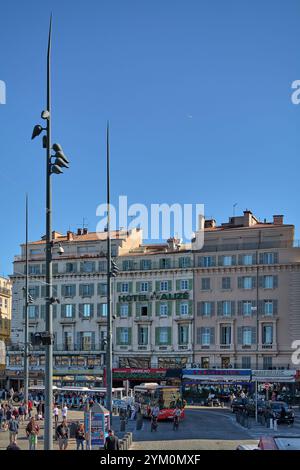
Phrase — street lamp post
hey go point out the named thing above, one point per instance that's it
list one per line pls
(109, 316)
(26, 368)
(60, 162)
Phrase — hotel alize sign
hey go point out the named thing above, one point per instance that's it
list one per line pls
(154, 296)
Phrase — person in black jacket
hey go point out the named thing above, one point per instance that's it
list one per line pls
(112, 441)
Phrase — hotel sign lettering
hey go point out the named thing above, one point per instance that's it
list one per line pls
(154, 296)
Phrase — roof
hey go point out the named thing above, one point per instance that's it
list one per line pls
(90, 236)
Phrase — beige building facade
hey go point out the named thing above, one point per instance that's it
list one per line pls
(247, 294)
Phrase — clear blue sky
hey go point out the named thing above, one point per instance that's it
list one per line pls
(197, 93)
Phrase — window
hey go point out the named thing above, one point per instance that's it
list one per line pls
(163, 310)
(206, 309)
(227, 261)
(226, 308)
(34, 269)
(247, 282)
(163, 335)
(124, 337)
(124, 287)
(267, 334)
(247, 336)
(183, 334)
(144, 286)
(246, 362)
(69, 291)
(102, 266)
(184, 308)
(205, 283)
(164, 263)
(267, 362)
(247, 308)
(268, 307)
(127, 265)
(86, 290)
(86, 341)
(226, 282)
(184, 284)
(164, 285)
(268, 258)
(88, 266)
(144, 310)
(68, 340)
(103, 310)
(71, 267)
(184, 262)
(86, 310)
(247, 260)
(268, 282)
(142, 335)
(86, 249)
(205, 362)
(69, 311)
(225, 335)
(124, 311)
(146, 264)
(32, 311)
(208, 261)
(205, 338)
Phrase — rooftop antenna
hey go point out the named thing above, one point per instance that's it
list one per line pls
(234, 206)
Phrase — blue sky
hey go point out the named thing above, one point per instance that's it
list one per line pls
(198, 94)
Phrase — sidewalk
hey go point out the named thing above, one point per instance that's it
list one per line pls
(73, 416)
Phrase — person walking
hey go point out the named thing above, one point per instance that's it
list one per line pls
(13, 427)
(62, 432)
(176, 418)
(79, 436)
(55, 413)
(30, 406)
(32, 432)
(112, 441)
(64, 411)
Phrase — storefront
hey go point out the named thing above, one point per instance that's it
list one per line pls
(278, 385)
(137, 376)
(197, 384)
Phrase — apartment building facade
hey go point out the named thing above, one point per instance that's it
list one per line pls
(247, 294)
(5, 323)
(152, 301)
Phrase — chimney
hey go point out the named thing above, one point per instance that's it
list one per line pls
(70, 236)
(278, 219)
(84, 231)
(247, 218)
(210, 223)
(201, 222)
(79, 231)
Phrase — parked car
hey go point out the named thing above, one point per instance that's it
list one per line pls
(238, 404)
(212, 402)
(279, 410)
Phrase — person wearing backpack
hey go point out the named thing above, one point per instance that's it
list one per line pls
(13, 427)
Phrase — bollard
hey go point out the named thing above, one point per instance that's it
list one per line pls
(271, 423)
(122, 424)
(275, 424)
(125, 444)
(121, 443)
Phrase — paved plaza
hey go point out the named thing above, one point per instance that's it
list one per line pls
(202, 429)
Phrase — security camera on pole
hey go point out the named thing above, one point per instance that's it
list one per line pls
(54, 165)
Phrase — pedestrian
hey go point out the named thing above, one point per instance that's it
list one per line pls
(21, 411)
(64, 411)
(112, 441)
(32, 432)
(55, 412)
(62, 432)
(39, 410)
(13, 427)
(30, 406)
(79, 436)
(13, 446)
(2, 417)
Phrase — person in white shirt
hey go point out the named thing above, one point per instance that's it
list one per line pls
(155, 411)
(55, 413)
(64, 411)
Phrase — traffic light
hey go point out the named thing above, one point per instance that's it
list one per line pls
(114, 269)
(42, 338)
(103, 343)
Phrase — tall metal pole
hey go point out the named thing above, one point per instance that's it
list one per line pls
(26, 345)
(48, 430)
(109, 317)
